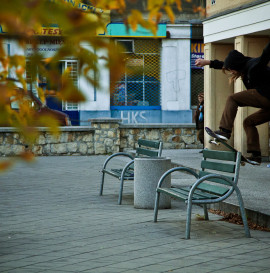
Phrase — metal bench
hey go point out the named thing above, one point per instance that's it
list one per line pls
(215, 182)
(148, 148)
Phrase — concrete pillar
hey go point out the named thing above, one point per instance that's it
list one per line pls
(216, 90)
(252, 47)
(147, 172)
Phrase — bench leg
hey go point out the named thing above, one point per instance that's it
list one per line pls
(243, 213)
(156, 206)
(102, 183)
(188, 221)
(206, 217)
(121, 191)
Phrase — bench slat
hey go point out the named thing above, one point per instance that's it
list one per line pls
(200, 193)
(220, 155)
(218, 180)
(223, 167)
(213, 189)
(144, 151)
(149, 143)
(117, 173)
(183, 194)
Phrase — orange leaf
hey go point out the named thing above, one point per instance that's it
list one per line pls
(4, 165)
(27, 156)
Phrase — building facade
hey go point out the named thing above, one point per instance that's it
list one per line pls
(160, 83)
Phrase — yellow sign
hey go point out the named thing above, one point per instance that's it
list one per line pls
(54, 29)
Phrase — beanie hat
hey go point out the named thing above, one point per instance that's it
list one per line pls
(235, 61)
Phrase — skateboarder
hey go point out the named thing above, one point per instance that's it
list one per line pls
(255, 75)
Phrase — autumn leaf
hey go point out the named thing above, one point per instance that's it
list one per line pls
(4, 165)
(27, 156)
(170, 13)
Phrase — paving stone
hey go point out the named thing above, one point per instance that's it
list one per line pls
(53, 220)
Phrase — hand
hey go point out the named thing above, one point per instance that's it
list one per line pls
(201, 62)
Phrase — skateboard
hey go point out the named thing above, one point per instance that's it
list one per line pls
(216, 141)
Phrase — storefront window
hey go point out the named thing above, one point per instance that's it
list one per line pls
(140, 84)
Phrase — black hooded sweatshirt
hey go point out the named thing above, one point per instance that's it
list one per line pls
(256, 73)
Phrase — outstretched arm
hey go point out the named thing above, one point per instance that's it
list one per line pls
(216, 64)
(201, 62)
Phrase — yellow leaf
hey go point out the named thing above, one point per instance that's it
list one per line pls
(179, 4)
(170, 13)
(151, 4)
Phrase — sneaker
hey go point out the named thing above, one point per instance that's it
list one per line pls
(257, 159)
(255, 156)
(223, 135)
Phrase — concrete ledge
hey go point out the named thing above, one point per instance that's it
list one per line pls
(157, 125)
(256, 217)
(105, 120)
(47, 129)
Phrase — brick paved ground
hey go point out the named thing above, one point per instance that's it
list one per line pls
(53, 220)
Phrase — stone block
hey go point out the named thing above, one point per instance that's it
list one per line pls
(98, 132)
(37, 150)
(166, 135)
(188, 139)
(114, 125)
(17, 149)
(41, 140)
(51, 138)
(63, 137)
(111, 134)
(9, 139)
(90, 151)
(87, 138)
(109, 142)
(72, 147)
(71, 136)
(60, 148)
(176, 138)
(83, 148)
(47, 149)
(105, 126)
(100, 148)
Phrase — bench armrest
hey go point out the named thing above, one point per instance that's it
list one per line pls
(127, 166)
(210, 176)
(183, 169)
(123, 154)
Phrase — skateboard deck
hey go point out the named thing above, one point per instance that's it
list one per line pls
(216, 141)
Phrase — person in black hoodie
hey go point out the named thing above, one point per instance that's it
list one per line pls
(255, 74)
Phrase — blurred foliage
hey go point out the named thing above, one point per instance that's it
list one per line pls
(78, 22)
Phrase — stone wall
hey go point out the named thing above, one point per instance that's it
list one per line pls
(105, 136)
(70, 141)
(174, 136)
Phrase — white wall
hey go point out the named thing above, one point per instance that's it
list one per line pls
(242, 22)
(175, 69)
(102, 93)
(11, 48)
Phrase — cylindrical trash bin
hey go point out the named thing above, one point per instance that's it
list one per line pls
(147, 172)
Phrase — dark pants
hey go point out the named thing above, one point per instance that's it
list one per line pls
(200, 135)
(252, 98)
